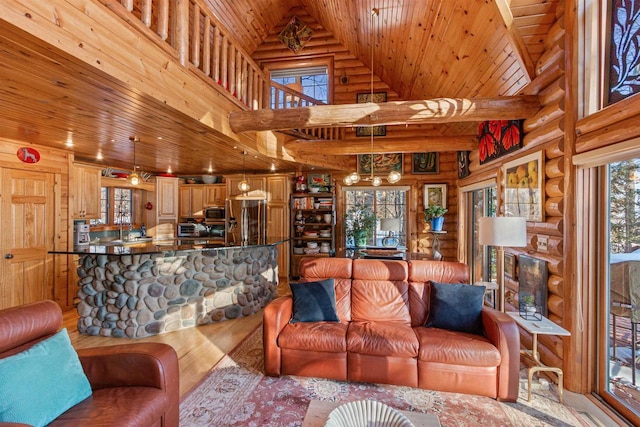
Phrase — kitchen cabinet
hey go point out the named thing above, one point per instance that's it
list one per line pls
(313, 227)
(166, 199)
(191, 201)
(85, 191)
(215, 194)
(278, 190)
(256, 183)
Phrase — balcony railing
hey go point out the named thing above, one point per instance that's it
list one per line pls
(190, 32)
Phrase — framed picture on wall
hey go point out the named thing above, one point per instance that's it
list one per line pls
(523, 187)
(435, 194)
(424, 163)
(378, 130)
(382, 163)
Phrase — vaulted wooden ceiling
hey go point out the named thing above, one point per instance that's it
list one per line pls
(422, 49)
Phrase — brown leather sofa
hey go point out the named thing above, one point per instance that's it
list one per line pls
(133, 384)
(382, 306)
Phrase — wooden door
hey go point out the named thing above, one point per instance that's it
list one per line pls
(184, 204)
(167, 194)
(27, 216)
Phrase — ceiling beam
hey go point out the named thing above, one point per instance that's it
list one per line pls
(347, 147)
(438, 110)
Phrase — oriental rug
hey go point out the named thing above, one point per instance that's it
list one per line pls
(237, 393)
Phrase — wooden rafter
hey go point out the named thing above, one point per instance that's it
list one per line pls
(439, 110)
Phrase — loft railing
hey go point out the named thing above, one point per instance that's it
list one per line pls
(190, 32)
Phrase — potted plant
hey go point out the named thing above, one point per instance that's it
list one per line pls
(360, 223)
(528, 303)
(435, 214)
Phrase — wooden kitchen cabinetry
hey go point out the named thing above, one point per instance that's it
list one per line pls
(215, 194)
(85, 191)
(278, 190)
(166, 199)
(191, 203)
(257, 185)
(313, 227)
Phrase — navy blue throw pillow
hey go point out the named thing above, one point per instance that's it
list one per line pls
(314, 301)
(456, 307)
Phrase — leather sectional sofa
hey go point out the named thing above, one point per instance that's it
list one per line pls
(133, 384)
(382, 306)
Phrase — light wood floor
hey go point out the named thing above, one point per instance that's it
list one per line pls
(199, 349)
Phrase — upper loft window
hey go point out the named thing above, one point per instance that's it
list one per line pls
(624, 50)
(310, 81)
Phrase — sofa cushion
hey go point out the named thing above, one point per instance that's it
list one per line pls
(42, 382)
(314, 302)
(382, 339)
(314, 336)
(456, 306)
(456, 348)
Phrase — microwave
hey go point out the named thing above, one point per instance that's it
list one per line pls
(192, 229)
(214, 213)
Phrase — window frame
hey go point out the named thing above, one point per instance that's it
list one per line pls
(136, 214)
(320, 61)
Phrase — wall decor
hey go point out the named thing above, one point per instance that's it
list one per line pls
(28, 155)
(320, 180)
(435, 194)
(510, 266)
(533, 276)
(498, 137)
(382, 163)
(377, 97)
(295, 34)
(463, 164)
(523, 186)
(425, 163)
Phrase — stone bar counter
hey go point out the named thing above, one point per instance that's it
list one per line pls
(147, 289)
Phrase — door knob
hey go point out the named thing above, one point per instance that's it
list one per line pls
(8, 256)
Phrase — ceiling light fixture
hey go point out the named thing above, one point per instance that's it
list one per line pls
(243, 185)
(134, 178)
(354, 177)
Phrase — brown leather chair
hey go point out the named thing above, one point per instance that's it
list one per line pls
(134, 384)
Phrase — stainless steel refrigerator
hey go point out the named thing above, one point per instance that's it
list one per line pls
(246, 221)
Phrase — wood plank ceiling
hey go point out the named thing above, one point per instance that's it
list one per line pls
(422, 48)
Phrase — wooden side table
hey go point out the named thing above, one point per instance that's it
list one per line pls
(535, 328)
(437, 255)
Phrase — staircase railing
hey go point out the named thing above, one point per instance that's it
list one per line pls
(191, 33)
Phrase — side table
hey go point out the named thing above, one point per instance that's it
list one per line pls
(437, 255)
(535, 328)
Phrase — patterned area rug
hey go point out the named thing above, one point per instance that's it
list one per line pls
(237, 393)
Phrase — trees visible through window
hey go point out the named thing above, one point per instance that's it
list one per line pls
(387, 203)
(116, 206)
(311, 81)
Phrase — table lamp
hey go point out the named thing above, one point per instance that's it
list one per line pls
(390, 225)
(501, 231)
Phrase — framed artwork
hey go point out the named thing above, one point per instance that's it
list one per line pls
(295, 34)
(510, 266)
(382, 163)
(435, 194)
(532, 280)
(425, 163)
(320, 180)
(523, 186)
(463, 164)
(498, 137)
(379, 130)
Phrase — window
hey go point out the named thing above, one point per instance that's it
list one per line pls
(116, 207)
(311, 81)
(624, 50)
(386, 202)
(479, 201)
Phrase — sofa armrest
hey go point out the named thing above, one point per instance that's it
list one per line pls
(503, 332)
(136, 364)
(276, 316)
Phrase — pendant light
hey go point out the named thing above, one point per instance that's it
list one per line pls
(243, 185)
(354, 177)
(134, 178)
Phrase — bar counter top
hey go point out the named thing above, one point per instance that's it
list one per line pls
(150, 246)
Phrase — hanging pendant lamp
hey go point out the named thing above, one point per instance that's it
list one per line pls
(134, 178)
(243, 185)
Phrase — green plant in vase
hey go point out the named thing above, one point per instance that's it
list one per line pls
(435, 214)
(360, 222)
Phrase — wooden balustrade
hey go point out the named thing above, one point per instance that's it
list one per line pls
(192, 33)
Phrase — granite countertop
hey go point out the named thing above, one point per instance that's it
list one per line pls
(146, 246)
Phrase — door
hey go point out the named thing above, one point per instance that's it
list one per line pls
(27, 217)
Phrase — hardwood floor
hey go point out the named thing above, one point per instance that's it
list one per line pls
(199, 349)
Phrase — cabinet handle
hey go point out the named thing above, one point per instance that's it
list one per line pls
(8, 256)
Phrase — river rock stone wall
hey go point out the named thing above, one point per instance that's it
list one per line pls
(148, 294)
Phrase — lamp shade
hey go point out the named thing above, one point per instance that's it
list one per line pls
(390, 224)
(503, 231)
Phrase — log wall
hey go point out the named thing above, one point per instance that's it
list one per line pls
(351, 77)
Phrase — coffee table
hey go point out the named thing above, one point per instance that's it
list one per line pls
(319, 410)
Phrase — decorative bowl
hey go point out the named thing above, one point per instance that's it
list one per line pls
(209, 179)
(312, 245)
(314, 189)
(368, 413)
